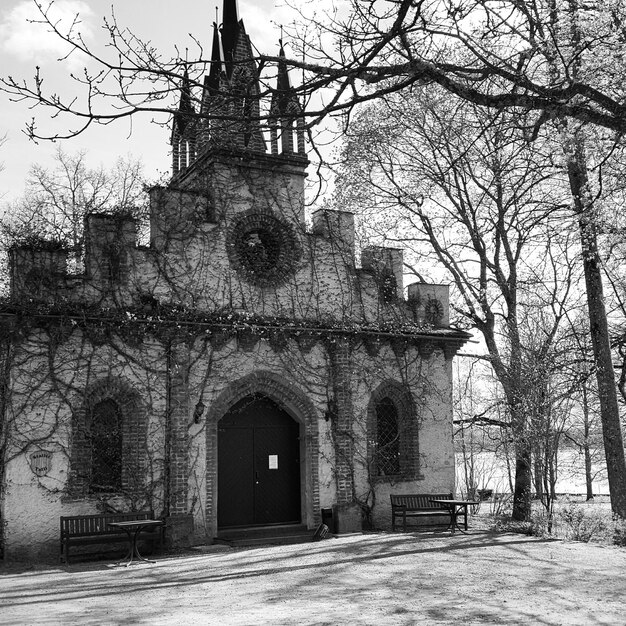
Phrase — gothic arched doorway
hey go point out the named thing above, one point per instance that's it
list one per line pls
(258, 465)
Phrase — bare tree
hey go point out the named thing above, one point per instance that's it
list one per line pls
(57, 200)
(584, 433)
(479, 434)
(584, 202)
(562, 37)
(494, 54)
(475, 200)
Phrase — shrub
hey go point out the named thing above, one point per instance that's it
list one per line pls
(536, 527)
(577, 521)
(501, 504)
(580, 523)
(619, 532)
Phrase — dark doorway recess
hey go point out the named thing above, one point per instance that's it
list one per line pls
(258, 466)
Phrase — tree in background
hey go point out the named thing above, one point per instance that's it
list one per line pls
(480, 434)
(572, 29)
(585, 433)
(57, 200)
(471, 198)
(555, 48)
(562, 407)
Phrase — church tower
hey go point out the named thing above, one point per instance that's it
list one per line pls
(238, 158)
(232, 114)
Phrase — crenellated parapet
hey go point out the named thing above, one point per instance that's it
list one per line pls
(430, 303)
(109, 240)
(249, 259)
(37, 271)
(40, 272)
(337, 227)
(386, 265)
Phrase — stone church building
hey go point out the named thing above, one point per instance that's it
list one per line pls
(242, 369)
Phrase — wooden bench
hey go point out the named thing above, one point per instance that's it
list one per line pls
(80, 530)
(419, 506)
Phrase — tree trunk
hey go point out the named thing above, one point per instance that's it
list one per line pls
(538, 461)
(588, 478)
(521, 495)
(607, 389)
(552, 474)
(586, 447)
(523, 467)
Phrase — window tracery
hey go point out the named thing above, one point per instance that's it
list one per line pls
(387, 438)
(106, 447)
(393, 433)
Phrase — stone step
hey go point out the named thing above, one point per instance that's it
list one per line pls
(265, 535)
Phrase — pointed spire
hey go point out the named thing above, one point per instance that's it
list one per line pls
(186, 110)
(287, 123)
(230, 12)
(230, 32)
(184, 127)
(283, 86)
(284, 97)
(283, 75)
(212, 81)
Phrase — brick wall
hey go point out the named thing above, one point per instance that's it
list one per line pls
(177, 439)
(340, 352)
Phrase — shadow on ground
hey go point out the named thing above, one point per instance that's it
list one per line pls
(381, 578)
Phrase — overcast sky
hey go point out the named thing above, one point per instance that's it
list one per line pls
(166, 23)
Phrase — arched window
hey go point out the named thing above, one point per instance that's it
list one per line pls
(387, 438)
(109, 441)
(106, 447)
(393, 433)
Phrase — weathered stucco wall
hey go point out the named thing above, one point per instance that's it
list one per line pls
(49, 383)
(186, 324)
(42, 408)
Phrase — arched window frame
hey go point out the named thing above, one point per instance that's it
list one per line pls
(408, 467)
(133, 421)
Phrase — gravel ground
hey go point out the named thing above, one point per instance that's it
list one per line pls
(413, 578)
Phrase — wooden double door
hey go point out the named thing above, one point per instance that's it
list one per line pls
(258, 465)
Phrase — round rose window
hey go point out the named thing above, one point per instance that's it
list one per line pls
(262, 248)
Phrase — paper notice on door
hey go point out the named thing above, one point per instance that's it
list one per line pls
(273, 461)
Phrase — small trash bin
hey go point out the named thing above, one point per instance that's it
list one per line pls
(328, 519)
